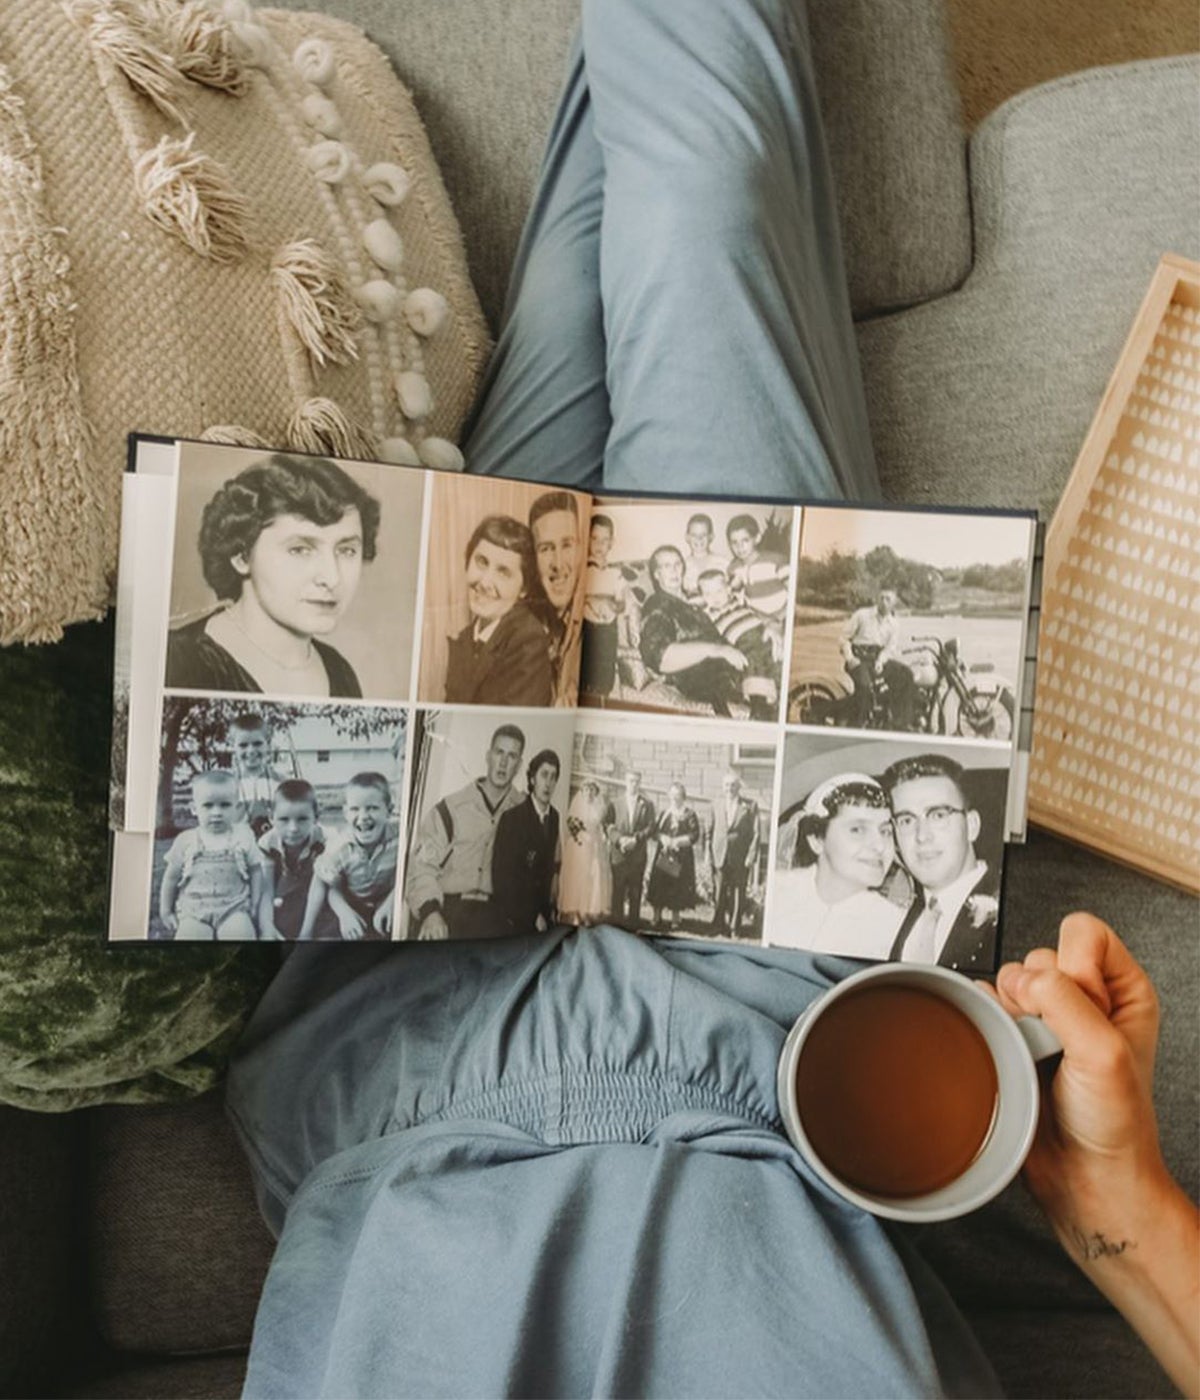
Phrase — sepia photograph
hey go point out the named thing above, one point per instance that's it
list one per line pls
(666, 835)
(889, 849)
(276, 821)
(686, 608)
(503, 607)
(909, 622)
(486, 816)
(293, 575)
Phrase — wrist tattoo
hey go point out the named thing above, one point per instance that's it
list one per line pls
(1097, 1245)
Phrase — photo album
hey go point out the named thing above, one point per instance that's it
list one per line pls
(362, 701)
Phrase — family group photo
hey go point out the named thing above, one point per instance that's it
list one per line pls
(686, 608)
(293, 576)
(276, 821)
(667, 837)
(503, 603)
(910, 623)
(889, 850)
(486, 819)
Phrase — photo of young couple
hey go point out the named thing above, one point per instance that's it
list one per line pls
(893, 852)
(503, 595)
(486, 820)
(686, 609)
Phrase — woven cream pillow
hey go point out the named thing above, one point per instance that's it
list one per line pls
(213, 222)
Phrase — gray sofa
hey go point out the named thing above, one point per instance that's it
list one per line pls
(994, 281)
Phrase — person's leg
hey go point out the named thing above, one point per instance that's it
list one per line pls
(704, 216)
(192, 930)
(542, 411)
(237, 927)
(731, 354)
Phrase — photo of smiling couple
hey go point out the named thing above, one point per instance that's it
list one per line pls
(503, 604)
(889, 851)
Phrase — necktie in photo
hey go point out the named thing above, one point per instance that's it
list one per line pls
(921, 944)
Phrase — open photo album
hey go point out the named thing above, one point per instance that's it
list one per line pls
(362, 701)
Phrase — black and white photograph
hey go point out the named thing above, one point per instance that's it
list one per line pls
(293, 575)
(910, 622)
(686, 608)
(665, 834)
(890, 850)
(503, 599)
(486, 815)
(276, 821)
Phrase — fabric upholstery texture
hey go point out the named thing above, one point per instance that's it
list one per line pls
(123, 306)
(80, 1023)
(186, 1377)
(887, 98)
(178, 1249)
(983, 397)
(39, 1161)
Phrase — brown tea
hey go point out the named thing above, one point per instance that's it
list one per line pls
(896, 1090)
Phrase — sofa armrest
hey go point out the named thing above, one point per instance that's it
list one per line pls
(1078, 186)
(41, 1281)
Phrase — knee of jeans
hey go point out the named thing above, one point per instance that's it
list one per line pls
(558, 290)
(707, 208)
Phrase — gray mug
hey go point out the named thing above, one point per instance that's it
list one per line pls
(1015, 1046)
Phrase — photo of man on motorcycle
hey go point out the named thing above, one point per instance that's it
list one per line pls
(884, 687)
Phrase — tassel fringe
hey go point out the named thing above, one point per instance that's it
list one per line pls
(319, 425)
(315, 301)
(187, 193)
(204, 46)
(128, 37)
(233, 435)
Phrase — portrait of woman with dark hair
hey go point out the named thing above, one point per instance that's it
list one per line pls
(502, 655)
(282, 545)
(831, 900)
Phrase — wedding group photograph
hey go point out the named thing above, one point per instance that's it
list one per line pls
(664, 836)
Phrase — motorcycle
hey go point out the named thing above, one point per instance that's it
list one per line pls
(950, 697)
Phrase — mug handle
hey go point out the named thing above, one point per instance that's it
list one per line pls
(1040, 1040)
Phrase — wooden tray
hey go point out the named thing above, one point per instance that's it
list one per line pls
(1116, 734)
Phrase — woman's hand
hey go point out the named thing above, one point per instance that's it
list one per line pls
(1095, 1167)
(1098, 1132)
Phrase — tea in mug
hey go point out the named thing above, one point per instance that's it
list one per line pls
(896, 1090)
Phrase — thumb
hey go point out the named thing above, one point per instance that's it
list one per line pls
(1088, 1040)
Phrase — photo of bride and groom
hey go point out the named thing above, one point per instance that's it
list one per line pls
(896, 855)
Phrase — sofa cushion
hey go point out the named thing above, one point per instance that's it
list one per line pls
(40, 1159)
(208, 225)
(80, 1023)
(984, 396)
(486, 83)
(185, 1377)
(178, 1249)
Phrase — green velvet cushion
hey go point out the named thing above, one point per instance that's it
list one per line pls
(80, 1024)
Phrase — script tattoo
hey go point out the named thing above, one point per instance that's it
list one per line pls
(1097, 1245)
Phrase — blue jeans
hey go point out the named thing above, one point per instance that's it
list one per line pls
(678, 319)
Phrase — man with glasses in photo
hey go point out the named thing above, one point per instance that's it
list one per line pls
(952, 919)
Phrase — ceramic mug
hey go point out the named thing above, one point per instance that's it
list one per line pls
(1015, 1046)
